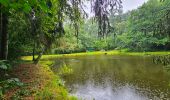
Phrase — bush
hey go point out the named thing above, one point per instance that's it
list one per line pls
(4, 67)
(9, 84)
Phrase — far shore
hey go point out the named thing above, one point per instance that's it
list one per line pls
(112, 52)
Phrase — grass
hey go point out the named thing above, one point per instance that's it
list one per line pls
(113, 52)
(54, 88)
(40, 83)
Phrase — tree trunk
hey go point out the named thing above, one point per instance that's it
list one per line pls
(44, 49)
(4, 36)
(0, 28)
(33, 52)
(40, 55)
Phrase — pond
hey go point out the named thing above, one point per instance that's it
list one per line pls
(107, 77)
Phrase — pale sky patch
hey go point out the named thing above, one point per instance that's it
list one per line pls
(132, 4)
(128, 5)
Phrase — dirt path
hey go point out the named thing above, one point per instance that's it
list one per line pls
(32, 76)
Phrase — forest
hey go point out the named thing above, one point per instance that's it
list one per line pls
(142, 29)
(35, 34)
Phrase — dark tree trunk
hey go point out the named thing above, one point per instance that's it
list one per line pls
(33, 30)
(4, 36)
(40, 55)
(33, 53)
(0, 28)
(44, 49)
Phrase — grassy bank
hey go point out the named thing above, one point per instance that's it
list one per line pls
(38, 83)
(54, 87)
(113, 52)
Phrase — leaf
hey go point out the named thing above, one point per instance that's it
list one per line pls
(1, 93)
(32, 2)
(15, 6)
(16, 79)
(43, 6)
(4, 2)
(3, 67)
(27, 8)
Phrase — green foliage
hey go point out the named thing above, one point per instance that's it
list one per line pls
(100, 44)
(23, 5)
(46, 95)
(9, 83)
(4, 2)
(164, 60)
(21, 93)
(34, 25)
(143, 29)
(54, 89)
(64, 70)
(4, 65)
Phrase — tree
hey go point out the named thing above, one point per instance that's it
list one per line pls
(6, 7)
(53, 13)
(4, 33)
(146, 28)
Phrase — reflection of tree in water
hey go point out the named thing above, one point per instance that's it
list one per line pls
(164, 60)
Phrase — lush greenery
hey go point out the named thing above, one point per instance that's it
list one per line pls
(143, 29)
(35, 27)
(147, 28)
(40, 82)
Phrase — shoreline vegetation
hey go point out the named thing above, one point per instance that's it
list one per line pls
(112, 52)
(40, 83)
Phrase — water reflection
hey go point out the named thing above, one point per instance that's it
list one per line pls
(90, 91)
(116, 78)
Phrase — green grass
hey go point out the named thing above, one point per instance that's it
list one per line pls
(113, 52)
(54, 88)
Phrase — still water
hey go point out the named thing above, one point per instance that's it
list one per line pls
(109, 77)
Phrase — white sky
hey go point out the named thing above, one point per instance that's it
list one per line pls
(132, 4)
(127, 5)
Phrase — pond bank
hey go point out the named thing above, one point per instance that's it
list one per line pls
(39, 83)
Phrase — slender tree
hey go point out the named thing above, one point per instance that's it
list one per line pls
(4, 33)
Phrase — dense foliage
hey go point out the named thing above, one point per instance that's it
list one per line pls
(31, 27)
(147, 28)
(144, 29)
(34, 27)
